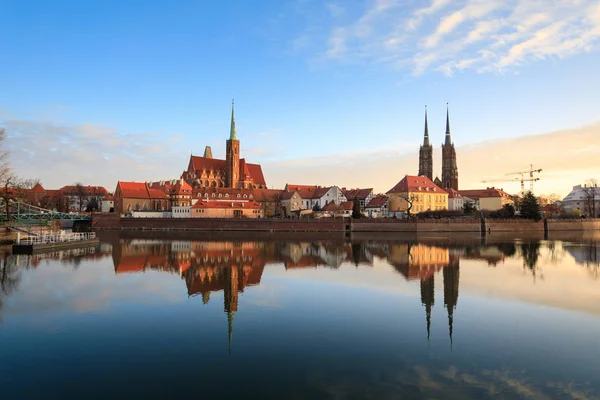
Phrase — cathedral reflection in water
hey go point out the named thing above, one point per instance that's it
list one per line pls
(210, 266)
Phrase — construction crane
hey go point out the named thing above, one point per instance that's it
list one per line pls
(531, 178)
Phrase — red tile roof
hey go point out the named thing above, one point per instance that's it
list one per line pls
(38, 188)
(484, 193)
(418, 184)
(377, 201)
(267, 194)
(308, 191)
(89, 190)
(133, 190)
(345, 205)
(454, 194)
(288, 195)
(362, 194)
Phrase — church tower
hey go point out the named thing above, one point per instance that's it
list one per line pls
(449, 167)
(232, 159)
(426, 154)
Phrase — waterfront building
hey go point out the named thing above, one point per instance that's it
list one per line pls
(232, 172)
(138, 196)
(490, 199)
(317, 196)
(364, 196)
(584, 199)
(377, 207)
(421, 192)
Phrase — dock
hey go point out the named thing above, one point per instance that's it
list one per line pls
(54, 241)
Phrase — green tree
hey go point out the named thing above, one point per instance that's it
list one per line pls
(530, 208)
(356, 208)
(469, 208)
(317, 207)
(507, 211)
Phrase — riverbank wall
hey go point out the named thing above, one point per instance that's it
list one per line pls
(487, 226)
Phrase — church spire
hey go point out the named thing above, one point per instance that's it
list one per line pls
(232, 135)
(230, 316)
(426, 137)
(448, 141)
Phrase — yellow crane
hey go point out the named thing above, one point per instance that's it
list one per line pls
(531, 179)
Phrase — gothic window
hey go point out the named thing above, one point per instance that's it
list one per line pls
(214, 184)
(137, 206)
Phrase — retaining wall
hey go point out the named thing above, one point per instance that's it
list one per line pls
(109, 221)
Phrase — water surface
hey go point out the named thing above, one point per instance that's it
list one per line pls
(230, 317)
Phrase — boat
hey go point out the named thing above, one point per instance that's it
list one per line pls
(53, 241)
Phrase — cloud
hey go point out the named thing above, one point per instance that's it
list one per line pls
(482, 35)
(94, 154)
(574, 154)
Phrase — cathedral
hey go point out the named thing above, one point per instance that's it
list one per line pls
(449, 168)
(233, 172)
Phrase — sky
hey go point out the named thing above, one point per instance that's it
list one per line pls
(326, 92)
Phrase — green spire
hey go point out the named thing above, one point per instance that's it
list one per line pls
(448, 139)
(426, 138)
(232, 135)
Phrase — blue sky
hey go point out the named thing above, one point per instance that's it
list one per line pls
(102, 91)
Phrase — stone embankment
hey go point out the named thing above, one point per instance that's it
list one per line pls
(106, 221)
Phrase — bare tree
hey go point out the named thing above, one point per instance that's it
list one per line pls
(80, 194)
(589, 199)
(4, 166)
(11, 191)
(410, 199)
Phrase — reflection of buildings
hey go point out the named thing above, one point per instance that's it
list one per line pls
(420, 261)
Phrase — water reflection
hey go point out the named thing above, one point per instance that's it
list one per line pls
(356, 317)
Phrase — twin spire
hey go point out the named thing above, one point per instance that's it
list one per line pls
(448, 139)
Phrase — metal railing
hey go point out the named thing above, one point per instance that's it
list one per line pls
(62, 237)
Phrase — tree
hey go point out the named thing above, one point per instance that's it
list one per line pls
(92, 205)
(80, 194)
(589, 198)
(530, 208)
(317, 207)
(410, 199)
(469, 208)
(356, 208)
(507, 210)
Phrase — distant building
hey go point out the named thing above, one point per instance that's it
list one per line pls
(490, 199)
(138, 196)
(364, 196)
(456, 201)
(313, 195)
(344, 209)
(377, 207)
(78, 197)
(226, 209)
(291, 203)
(233, 172)
(108, 204)
(585, 199)
(420, 191)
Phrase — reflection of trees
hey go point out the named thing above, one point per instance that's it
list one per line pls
(508, 249)
(530, 253)
(356, 252)
(10, 275)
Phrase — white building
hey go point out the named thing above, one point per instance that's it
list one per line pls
(107, 204)
(181, 211)
(585, 199)
(456, 201)
(317, 195)
(377, 207)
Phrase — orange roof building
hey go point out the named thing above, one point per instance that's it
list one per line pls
(418, 191)
(489, 198)
(232, 172)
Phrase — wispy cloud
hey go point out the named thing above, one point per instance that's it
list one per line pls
(483, 35)
(60, 154)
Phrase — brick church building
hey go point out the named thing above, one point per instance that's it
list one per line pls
(233, 172)
(449, 166)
